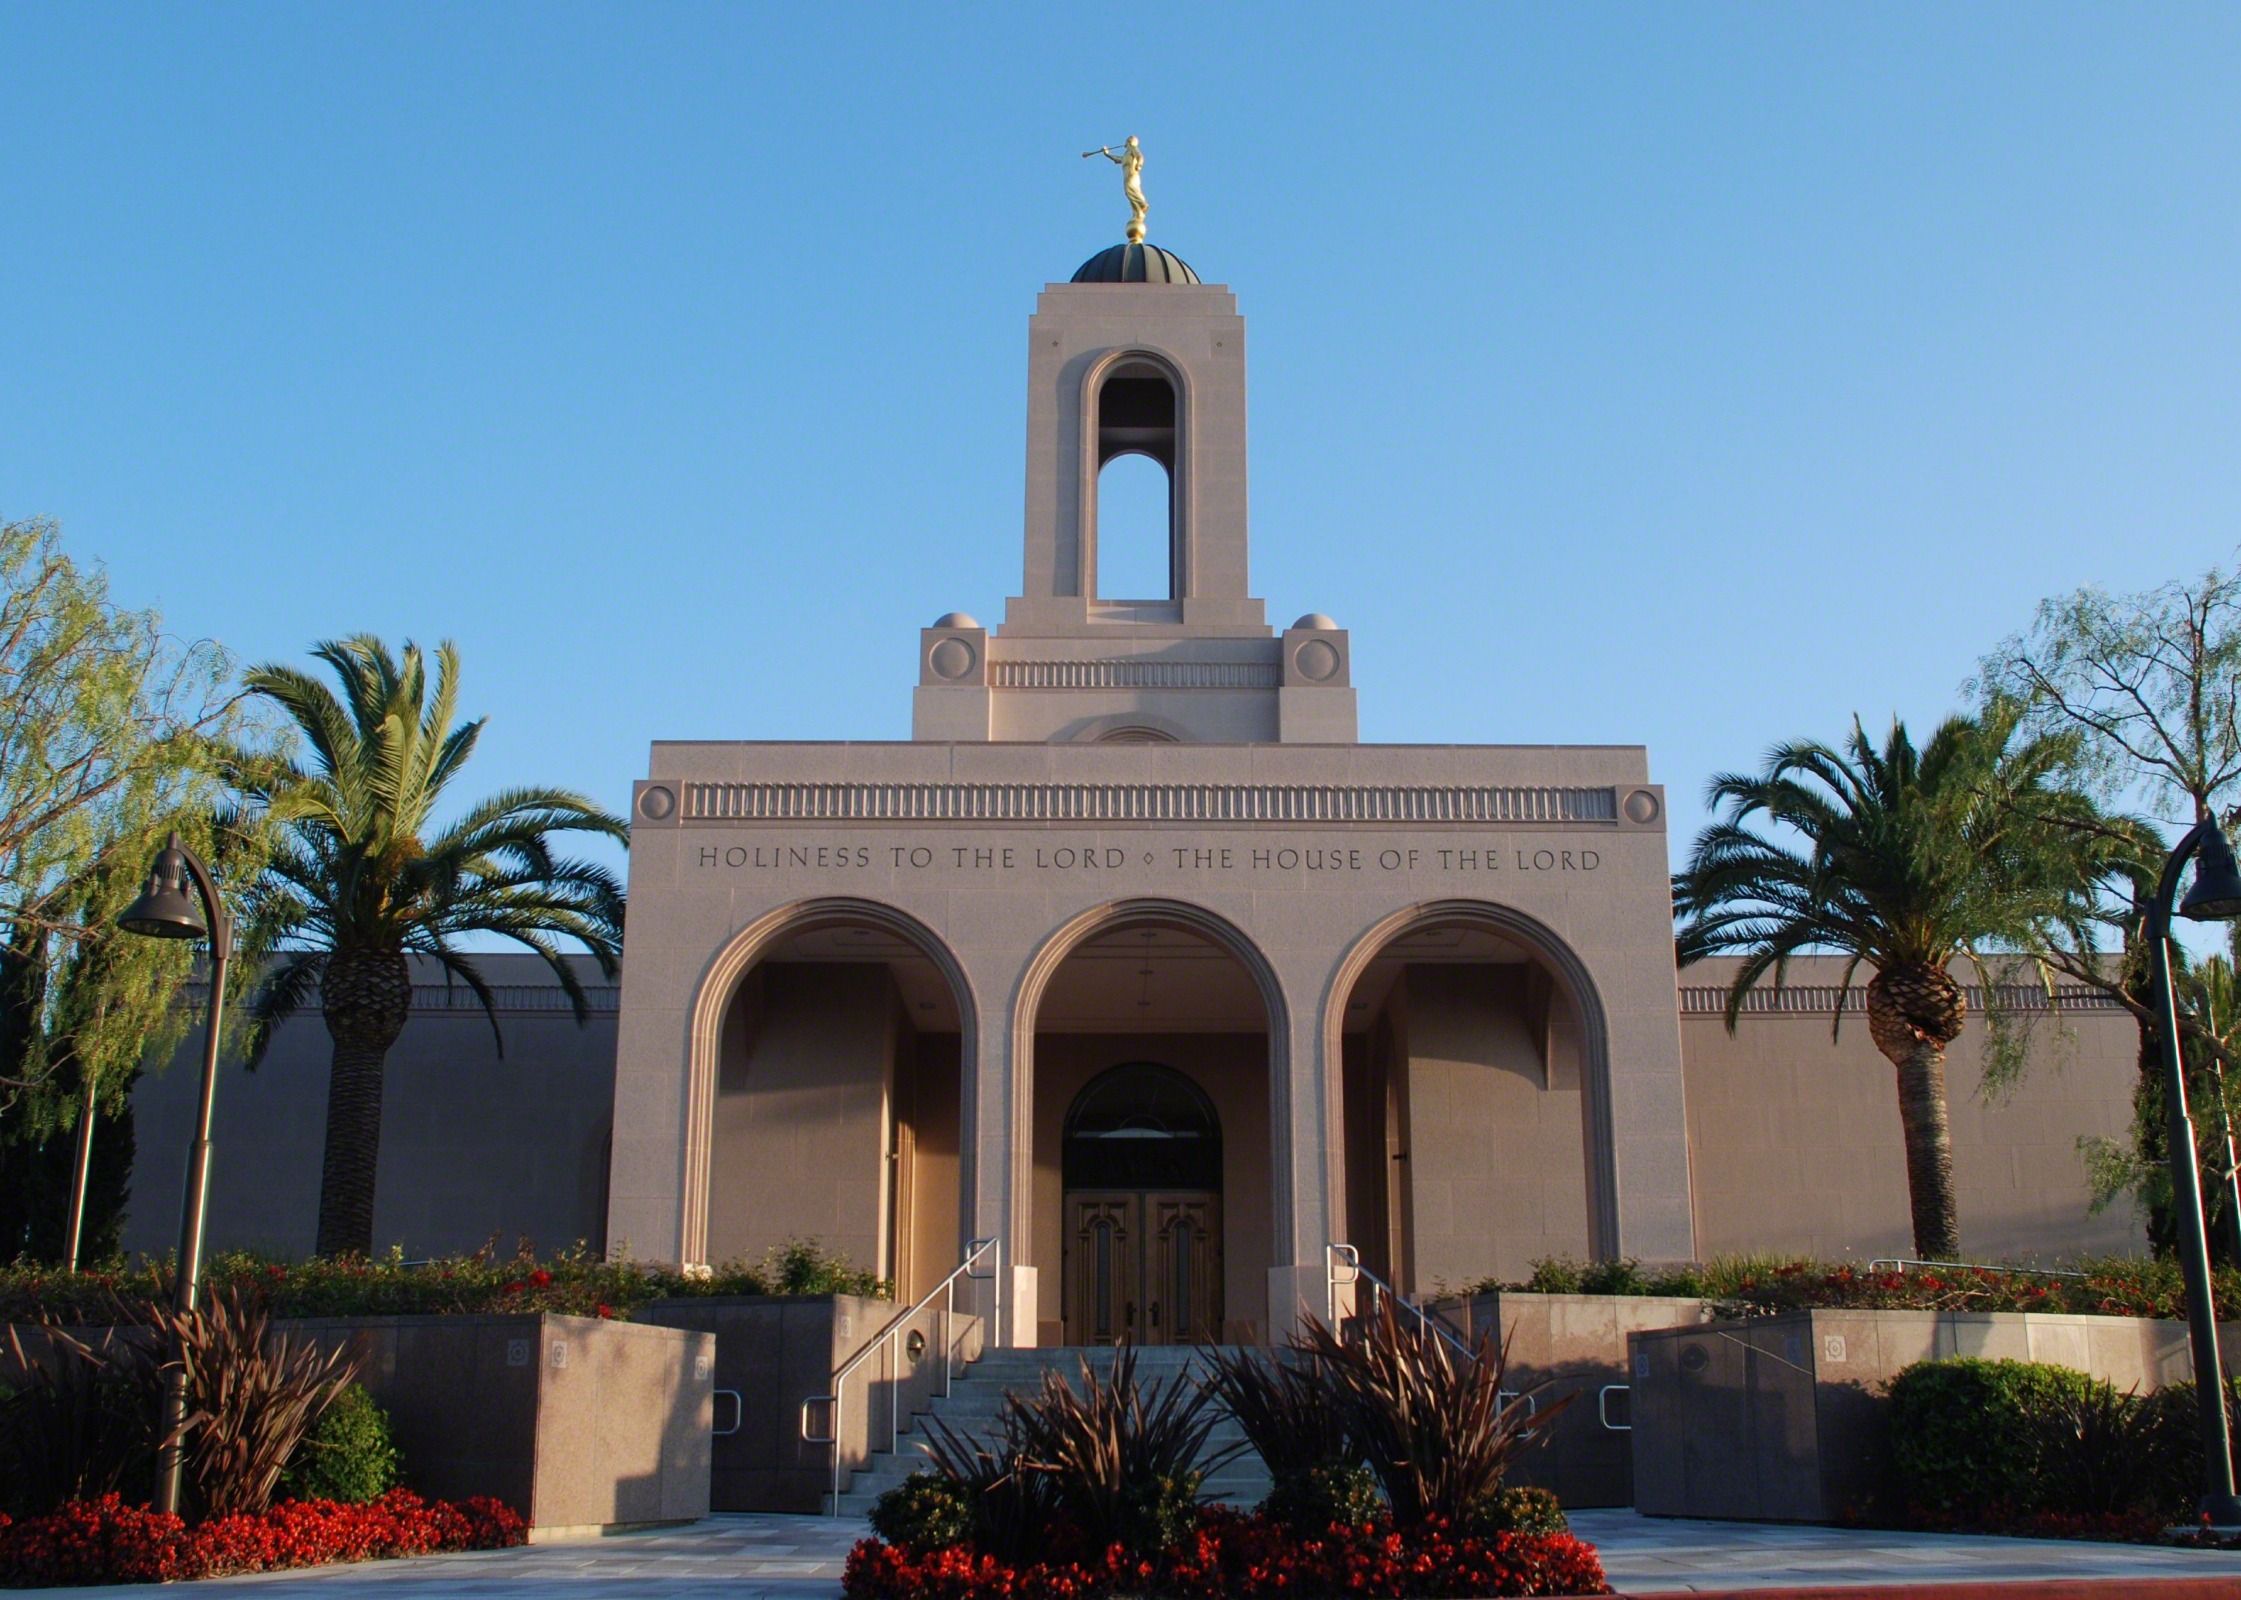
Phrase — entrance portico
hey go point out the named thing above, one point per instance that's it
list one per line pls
(998, 903)
(1426, 993)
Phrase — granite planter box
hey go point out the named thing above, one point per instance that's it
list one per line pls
(1575, 1344)
(1782, 1419)
(582, 1424)
(775, 1352)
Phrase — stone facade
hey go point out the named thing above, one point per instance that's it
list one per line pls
(1417, 999)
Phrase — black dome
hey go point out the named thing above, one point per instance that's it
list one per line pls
(1135, 263)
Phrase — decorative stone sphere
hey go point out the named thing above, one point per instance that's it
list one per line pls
(955, 619)
(1316, 619)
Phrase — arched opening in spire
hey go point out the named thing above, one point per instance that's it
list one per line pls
(1136, 430)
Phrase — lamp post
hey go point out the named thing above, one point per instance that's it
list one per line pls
(2215, 897)
(81, 1172)
(166, 911)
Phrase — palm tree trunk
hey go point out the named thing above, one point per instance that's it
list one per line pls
(1914, 1012)
(365, 996)
(1929, 1154)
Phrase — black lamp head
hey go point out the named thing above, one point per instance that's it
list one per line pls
(169, 909)
(2216, 894)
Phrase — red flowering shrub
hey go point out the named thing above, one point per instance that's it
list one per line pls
(94, 1541)
(1234, 1556)
(107, 1541)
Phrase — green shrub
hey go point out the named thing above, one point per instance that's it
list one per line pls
(348, 1455)
(925, 1512)
(1972, 1439)
(1311, 1499)
(573, 1283)
(2110, 1286)
(1158, 1513)
(1521, 1510)
(1563, 1275)
(1550, 1275)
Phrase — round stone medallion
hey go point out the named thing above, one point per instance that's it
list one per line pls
(657, 803)
(951, 659)
(1317, 660)
(1641, 807)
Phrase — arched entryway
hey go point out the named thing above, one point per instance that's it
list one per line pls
(829, 1093)
(1142, 1167)
(1475, 1076)
(1149, 1046)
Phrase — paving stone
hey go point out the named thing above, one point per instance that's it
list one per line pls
(770, 1557)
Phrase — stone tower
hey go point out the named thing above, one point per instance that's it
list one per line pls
(1135, 356)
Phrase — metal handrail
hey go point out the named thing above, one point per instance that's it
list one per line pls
(1903, 1262)
(1336, 1256)
(1348, 1258)
(885, 1340)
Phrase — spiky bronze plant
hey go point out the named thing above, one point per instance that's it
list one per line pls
(1437, 1426)
(1009, 1503)
(1125, 1460)
(77, 1420)
(252, 1395)
(1281, 1403)
(1114, 1462)
(1282, 1409)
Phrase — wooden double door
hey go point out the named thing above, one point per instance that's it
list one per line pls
(1143, 1265)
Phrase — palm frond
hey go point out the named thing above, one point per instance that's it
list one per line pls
(285, 989)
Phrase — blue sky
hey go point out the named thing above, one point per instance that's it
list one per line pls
(1691, 376)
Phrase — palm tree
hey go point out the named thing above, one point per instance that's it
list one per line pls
(1906, 861)
(361, 877)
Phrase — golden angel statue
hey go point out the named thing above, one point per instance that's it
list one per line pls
(1131, 162)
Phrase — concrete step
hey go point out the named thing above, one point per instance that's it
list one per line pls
(976, 1401)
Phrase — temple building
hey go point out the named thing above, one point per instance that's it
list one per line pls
(1136, 959)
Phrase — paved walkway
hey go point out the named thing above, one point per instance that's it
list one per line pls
(1660, 1555)
(799, 1558)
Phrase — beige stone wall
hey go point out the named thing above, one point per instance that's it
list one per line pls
(1233, 1071)
(933, 1243)
(474, 1144)
(1795, 1142)
(1497, 1163)
(802, 1112)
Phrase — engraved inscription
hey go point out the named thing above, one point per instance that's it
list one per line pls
(1093, 856)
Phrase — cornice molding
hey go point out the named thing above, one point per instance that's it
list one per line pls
(1150, 803)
